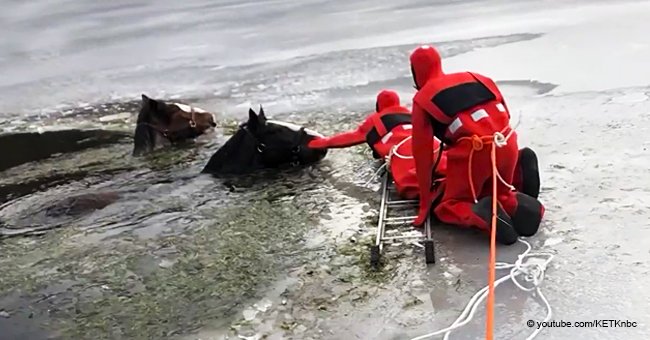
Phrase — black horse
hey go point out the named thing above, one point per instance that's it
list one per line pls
(264, 144)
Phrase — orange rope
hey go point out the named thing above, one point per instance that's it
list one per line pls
(477, 145)
(493, 256)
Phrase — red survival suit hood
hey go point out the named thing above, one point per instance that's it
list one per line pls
(386, 99)
(425, 64)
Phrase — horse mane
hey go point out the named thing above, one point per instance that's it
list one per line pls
(144, 138)
(236, 156)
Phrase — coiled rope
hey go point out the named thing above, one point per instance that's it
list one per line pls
(533, 276)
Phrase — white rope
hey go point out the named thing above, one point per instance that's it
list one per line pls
(394, 149)
(501, 141)
(532, 273)
(375, 174)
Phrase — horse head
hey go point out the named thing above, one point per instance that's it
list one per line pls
(260, 143)
(161, 124)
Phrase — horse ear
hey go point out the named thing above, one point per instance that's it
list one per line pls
(253, 119)
(148, 102)
(262, 117)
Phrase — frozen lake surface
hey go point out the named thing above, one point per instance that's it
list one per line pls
(575, 73)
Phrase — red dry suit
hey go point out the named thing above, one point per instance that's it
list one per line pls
(465, 110)
(387, 129)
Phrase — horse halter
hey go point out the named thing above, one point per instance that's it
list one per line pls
(167, 133)
(192, 121)
(296, 147)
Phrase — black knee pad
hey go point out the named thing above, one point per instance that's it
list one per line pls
(528, 216)
(506, 233)
(529, 172)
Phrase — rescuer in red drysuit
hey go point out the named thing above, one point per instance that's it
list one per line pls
(465, 110)
(388, 127)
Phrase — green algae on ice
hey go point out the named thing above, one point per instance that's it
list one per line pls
(158, 288)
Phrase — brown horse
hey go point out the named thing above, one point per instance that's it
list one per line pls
(161, 124)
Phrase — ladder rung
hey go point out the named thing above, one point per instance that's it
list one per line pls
(402, 203)
(400, 222)
(401, 218)
(401, 237)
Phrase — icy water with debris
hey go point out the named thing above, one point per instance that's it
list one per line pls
(174, 254)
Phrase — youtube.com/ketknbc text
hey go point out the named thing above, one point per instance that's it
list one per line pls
(598, 323)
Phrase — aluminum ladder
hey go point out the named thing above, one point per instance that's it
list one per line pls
(392, 228)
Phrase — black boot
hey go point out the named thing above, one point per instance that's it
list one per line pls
(529, 172)
(528, 215)
(506, 233)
